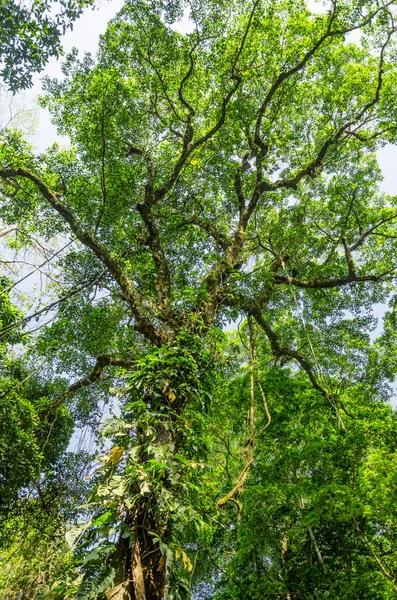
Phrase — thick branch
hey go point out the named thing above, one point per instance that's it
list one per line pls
(306, 58)
(349, 259)
(163, 283)
(101, 362)
(328, 283)
(181, 97)
(279, 351)
(238, 185)
(128, 288)
(233, 252)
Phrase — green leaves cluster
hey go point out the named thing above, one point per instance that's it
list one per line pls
(31, 34)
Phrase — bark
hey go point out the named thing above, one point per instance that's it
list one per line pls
(147, 563)
(120, 560)
(140, 566)
(137, 571)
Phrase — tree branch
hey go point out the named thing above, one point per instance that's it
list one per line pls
(279, 351)
(130, 293)
(303, 62)
(188, 146)
(103, 176)
(50, 306)
(220, 238)
(376, 557)
(163, 280)
(8, 230)
(316, 164)
(370, 230)
(329, 283)
(102, 362)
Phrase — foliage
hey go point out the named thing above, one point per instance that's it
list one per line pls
(97, 579)
(31, 34)
(311, 524)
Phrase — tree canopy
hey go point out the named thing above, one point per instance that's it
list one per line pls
(221, 179)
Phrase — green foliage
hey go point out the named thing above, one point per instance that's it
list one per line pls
(37, 563)
(311, 525)
(31, 34)
(97, 579)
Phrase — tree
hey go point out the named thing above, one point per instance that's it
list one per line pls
(30, 34)
(227, 172)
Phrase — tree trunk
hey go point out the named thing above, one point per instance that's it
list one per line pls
(140, 567)
(148, 564)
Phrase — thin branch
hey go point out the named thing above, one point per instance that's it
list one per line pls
(313, 537)
(23, 381)
(264, 401)
(10, 287)
(282, 77)
(103, 175)
(153, 102)
(376, 557)
(316, 164)
(230, 497)
(8, 230)
(163, 86)
(188, 146)
(370, 230)
(51, 305)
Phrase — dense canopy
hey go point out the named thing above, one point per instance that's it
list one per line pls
(222, 240)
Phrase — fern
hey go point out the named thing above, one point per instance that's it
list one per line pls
(97, 579)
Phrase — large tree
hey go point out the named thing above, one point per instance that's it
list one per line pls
(229, 172)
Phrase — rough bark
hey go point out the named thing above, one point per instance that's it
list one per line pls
(140, 566)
